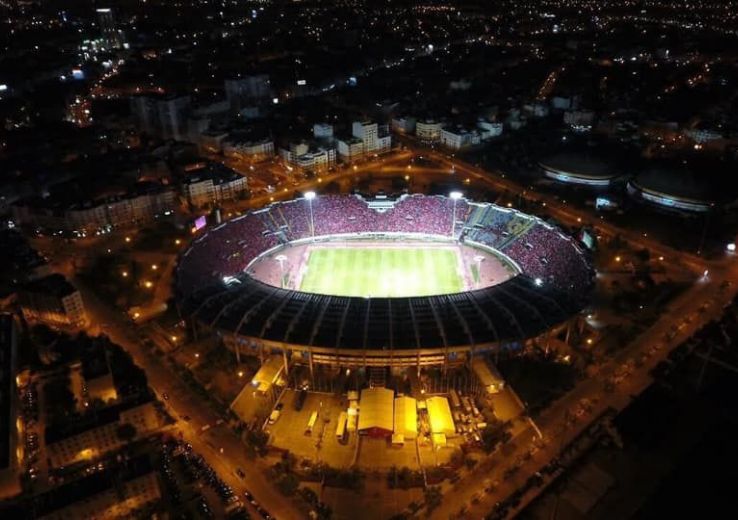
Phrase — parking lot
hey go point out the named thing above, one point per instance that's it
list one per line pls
(289, 431)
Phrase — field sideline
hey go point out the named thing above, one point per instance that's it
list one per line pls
(382, 271)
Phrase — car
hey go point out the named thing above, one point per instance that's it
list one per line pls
(300, 399)
(274, 416)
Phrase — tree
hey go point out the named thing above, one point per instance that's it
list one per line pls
(432, 497)
(288, 484)
(126, 432)
(493, 434)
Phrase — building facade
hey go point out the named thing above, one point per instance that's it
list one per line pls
(54, 301)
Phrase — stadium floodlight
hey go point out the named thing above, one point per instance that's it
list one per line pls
(455, 195)
(479, 259)
(309, 196)
(281, 259)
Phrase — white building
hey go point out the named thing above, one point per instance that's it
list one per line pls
(428, 130)
(368, 132)
(489, 129)
(703, 135)
(52, 300)
(323, 131)
(211, 184)
(403, 124)
(458, 137)
(252, 150)
(350, 149)
(579, 118)
(312, 158)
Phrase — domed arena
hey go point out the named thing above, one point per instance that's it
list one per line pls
(417, 280)
(579, 168)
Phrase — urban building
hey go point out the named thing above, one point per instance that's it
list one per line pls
(375, 138)
(368, 132)
(403, 124)
(96, 373)
(8, 404)
(52, 300)
(212, 183)
(111, 37)
(458, 137)
(428, 130)
(309, 156)
(255, 150)
(163, 116)
(142, 203)
(241, 92)
(323, 131)
(97, 433)
(489, 129)
(350, 149)
(114, 492)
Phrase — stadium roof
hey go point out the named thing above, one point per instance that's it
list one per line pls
(214, 289)
(684, 184)
(580, 164)
(513, 310)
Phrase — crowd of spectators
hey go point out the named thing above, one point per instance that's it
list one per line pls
(546, 255)
(541, 251)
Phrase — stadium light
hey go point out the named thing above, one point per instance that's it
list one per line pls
(455, 195)
(309, 196)
(479, 259)
(281, 259)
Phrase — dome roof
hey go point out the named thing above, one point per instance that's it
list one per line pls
(582, 164)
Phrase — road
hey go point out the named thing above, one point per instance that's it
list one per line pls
(555, 423)
(185, 402)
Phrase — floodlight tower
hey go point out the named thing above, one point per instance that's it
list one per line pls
(281, 259)
(455, 195)
(479, 259)
(309, 196)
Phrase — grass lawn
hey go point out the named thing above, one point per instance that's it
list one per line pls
(382, 272)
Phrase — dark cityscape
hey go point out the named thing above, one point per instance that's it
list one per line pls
(368, 260)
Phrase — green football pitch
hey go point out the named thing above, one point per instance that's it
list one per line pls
(382, 272)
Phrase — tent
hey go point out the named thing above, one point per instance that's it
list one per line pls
(376, 412)
(439, 415)
(406, 417)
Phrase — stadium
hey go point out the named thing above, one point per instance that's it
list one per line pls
(346, 281)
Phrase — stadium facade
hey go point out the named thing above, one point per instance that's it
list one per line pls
(581, 169)
(216, 290)
(678, 189)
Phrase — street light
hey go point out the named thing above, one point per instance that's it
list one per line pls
(309, 196)
(455, 195)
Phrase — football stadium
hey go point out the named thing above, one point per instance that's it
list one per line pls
(348, 281)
